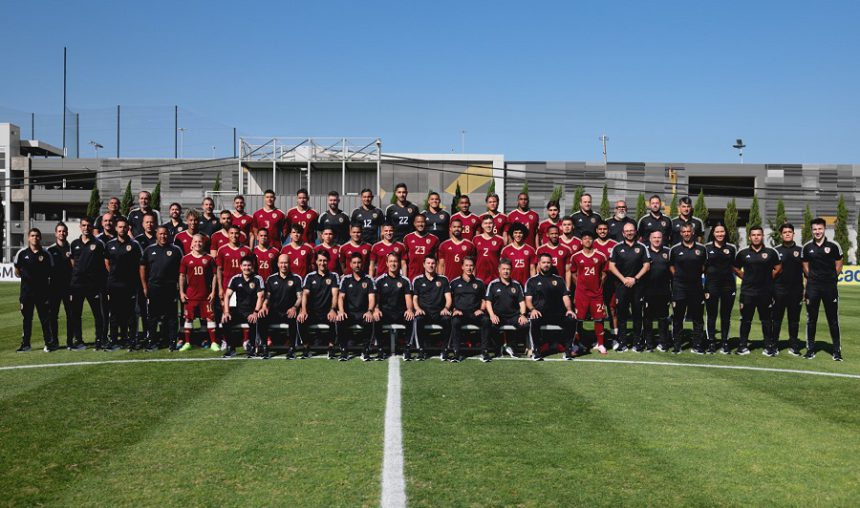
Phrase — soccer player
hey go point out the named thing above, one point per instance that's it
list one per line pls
(123, 285)
(658, 293)
(566, 237)
(654, 220)
(452, 251)
(144, 239)
(369, 217)
(61, 277)
(500, 220)
(229, 260)
(135, 215)
(585, 219)
(757, 265)
(174, 224)
(685, 216)
(618, 220)
(34, 266)
(327, 244)
(88, 284)
(822, 264)
(687, 260)
(432, 303)
(526, 218)
(588, 267)
(197, 284)
(319, 303)
(304, 216)
(548, 303)
(209, 221)
(505, 304)
(184, 239)
(720, 286)
(393, 298)
(559, 253)
(520, 254)
(488, 250)
(249, 290)
(300, 253)
(419, 244)
(355, 246)
(283, 303)
(335, 219)
(467, 295)
(603, 244)
(265, 255)
(108, 228)
(381, 249)
(402, 213)
(222, 236)
(629, 262)
(553, 219)
(240, 219)
(788, 289)
(356, 308)
(271, 219)
(438, 219)
(159, 273)
(468, 220)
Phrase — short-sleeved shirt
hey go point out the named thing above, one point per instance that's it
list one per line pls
(505, 298)
(242, 221)
(338, 222)
(629, 259)
(417, 248)
(547, 292)
(471, 224)
(62, 258)
(105, 238)
(319, 288)
(616, 227)
(89, 268)
(438, 223)
(649, 223)
(453, 254)
(162, 265)
(36, 269)
(604, 248)
(585, 221)
(522, 259)
(274, 222)
(333, 257)
(246, 291)
(301, 258)
(229, 259)
(720, 261)
(370, 219)
(658, 280)
(758, 270)
(822, 260)
(307, 219)
(790, 278)
(144, 241)
(529, 219)
(221, 238)
(356, 293)
(500, 222)
(544, 226)
(124, 261)
(391, 294)
(402, 217)
(174, 229)
(199, 272)
(589, 270)
(184, 238)
(267, 261)
(468, 295)
(488, 252)
(689, 263)
(380, 251)
(135, 219)
(430, 293)
(283, 292)
(698, 227)
(573, 243)
(348, 249)
(560, 257)
(209, 225)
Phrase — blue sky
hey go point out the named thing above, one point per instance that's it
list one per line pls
(666, 81)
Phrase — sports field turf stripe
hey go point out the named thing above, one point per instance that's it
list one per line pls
(393, 483)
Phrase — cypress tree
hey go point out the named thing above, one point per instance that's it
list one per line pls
(806, 232)
(755, 215)
(778, 220)
(604, 202)
(700, 209)
(217, 185)
(840, 233)
(641, 207)
(456, 198)
(557, 193)
(127, 201)
(156, 197)
(673, 206)
(731, 221)
(492, 187)
(577, 198)
(95, 205)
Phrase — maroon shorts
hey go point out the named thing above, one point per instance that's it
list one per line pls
(585, 305)
(199, 308)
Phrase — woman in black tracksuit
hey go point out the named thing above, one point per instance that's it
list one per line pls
(720, 287)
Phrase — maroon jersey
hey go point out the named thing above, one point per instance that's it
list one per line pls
(500, 222)
(522, 259)
(560, 256)
(243, 222)
(543, 226)
(471, 225)
(307, 219)
(574, 244)
(198, 273)
(417, 248)
(183, 240)
(606, 248)
(453, 254)
(589, 272)
(267, 261)
(230, 261)
(380, 251)
(488, 252)
(333, 256)
(274, 222)
(529, 219)
(220, 239)
(300, 258)
(346, 251)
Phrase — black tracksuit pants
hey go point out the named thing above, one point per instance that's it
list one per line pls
(764, 305)
(829, 296)
(788, 302)
(720, 302)
(41, 304)
(95, 298)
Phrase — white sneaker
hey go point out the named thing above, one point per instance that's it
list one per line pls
(601, 349)
(510, 351)
(246, 345)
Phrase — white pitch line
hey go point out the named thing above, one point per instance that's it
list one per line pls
(393, 482)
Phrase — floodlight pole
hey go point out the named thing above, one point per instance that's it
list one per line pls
(378, 171)
(603, 139)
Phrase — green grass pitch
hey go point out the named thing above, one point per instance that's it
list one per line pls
(509, 433)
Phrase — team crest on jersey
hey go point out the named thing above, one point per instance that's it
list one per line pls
(243, 221)
(302, 252)
(375, 215)
(665, 256)
(364, 285)
(92, 246)
(205, 261)
(251, 285)
(340, 219)
(463, 248)
(636, 250)
(409, 209)
(697, 252)
(274, 215)
(474, 286)
(308, 216)
(428, 241)
(328, 282)
(513, 290)
(399, 285)
(438, 283)
(827, 250)
(289, 282)
(170, 253)
(555, 283)
(364, 252)
(40, 258)
(725, 251)
(796, 254)
(593, 220)
(764, 255)
(663, 223)
(493, 243)
(128, 248)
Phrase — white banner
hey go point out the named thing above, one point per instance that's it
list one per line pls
(7, 273)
